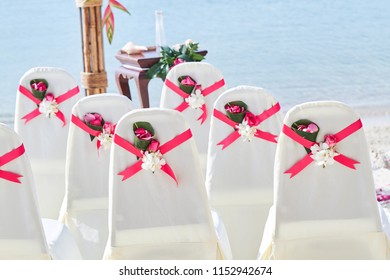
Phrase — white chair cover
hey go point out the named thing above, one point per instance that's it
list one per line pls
(239, 178)
(330, 212)
(85, 207)
(205, 75)
(152, 217)
(45, 138)
(22, 235)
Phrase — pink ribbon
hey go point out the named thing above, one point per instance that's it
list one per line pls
(165, 148)
(204, 92)
(6, 158)
(59, 100)
(87, 129)
(341, 135)
(259, 133)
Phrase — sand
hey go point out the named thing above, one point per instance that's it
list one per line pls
(377, 131)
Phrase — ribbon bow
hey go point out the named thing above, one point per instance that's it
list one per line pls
(165, 148)
(6, 158)
(204, 92)
(61, 98)
(344, 133)
(87, 129)
(259, 133)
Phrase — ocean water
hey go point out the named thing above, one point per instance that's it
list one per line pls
(298, 50)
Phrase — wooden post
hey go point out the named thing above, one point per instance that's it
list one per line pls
(94, 76)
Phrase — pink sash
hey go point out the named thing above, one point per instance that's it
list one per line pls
(165, 148)
(344, 133)
(6, 158)
(259, 133)
(204, 92)
(59, 100)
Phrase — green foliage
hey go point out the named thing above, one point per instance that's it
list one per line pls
(169, 58)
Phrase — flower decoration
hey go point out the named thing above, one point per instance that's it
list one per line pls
(246, 121)
(39, 88)
(236, 110)
(171, 57)
(307, 129)
(186, 84)
(143, 140)
(323, 153)
(96, 122)
(48, 105)
(196, 99)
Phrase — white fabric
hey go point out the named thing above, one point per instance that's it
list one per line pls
(85, 207)
(22, 234)
(60, 241)
(150, 216)
(45, 138)
(239, 178)
(324, 213)
(206, 75)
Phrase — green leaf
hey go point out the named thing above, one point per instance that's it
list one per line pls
(197, 57)
(39, 94)
(237, 117)
(139, 143)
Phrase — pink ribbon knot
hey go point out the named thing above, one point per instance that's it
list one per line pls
(205, 92)
(61, 98)
(165, 148)
(341, 135)
(8, 157)
(79, 123)
(259, 119)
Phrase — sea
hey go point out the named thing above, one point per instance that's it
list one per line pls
(297, 50)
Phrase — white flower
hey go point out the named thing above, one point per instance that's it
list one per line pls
(196, 99)
(48, 108)
(152, 161)
(246, 131)
(105, 140)
(322, 154)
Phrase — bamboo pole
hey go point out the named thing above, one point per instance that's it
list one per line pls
(93, 77)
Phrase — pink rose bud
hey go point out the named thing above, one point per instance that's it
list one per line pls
(302, 127)
(93, 119)
(330, 140)
(250, 119)
(109, 128)
(235, 109)
(49, 97)
(153, 146)
(188, 81)
(178, 61)
(312, 128)
(143, 134)
(41, 86)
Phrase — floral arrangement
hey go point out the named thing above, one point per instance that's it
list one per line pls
(48, 105)
(96, 122)
(322, 153)
(171, 57)
(143, 140)
(188, 85)
(238, 112)
(307, 129)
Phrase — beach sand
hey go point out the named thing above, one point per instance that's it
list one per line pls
(376, 124)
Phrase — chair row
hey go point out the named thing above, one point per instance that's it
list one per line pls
(234, 134)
